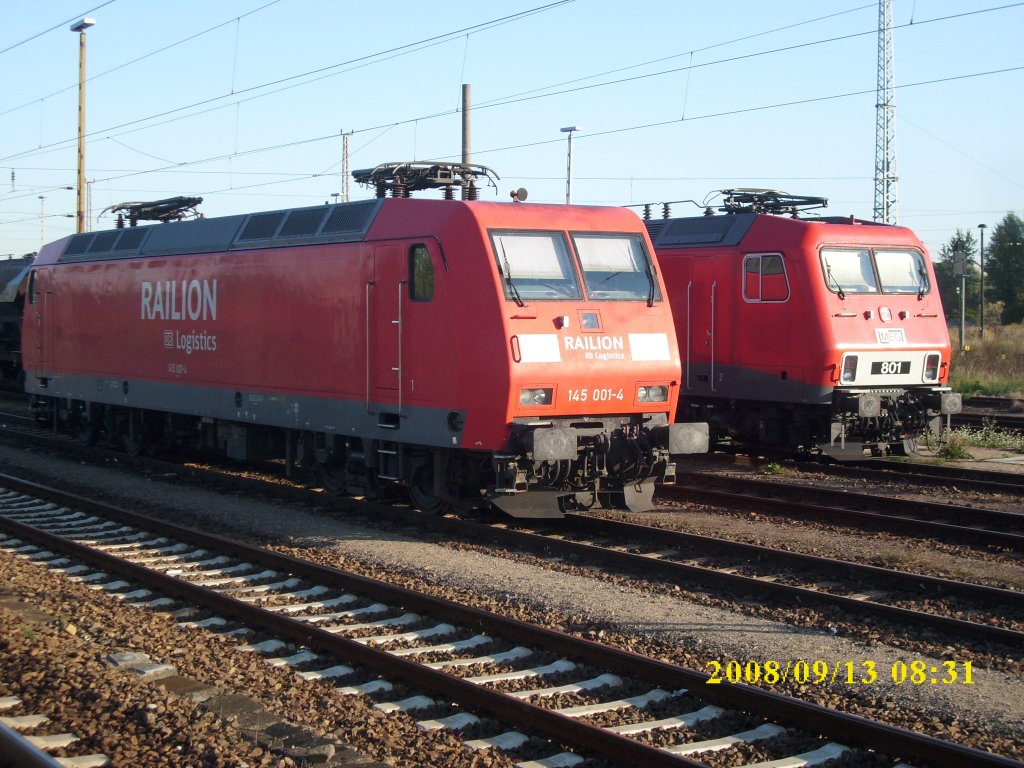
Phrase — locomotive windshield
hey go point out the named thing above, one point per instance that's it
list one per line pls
(539, 265)
(902, 271)
(878, 271)
(535, 265)
(616, 267)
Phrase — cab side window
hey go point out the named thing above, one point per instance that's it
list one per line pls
(32, 287)
(764, 278)
(421, 274)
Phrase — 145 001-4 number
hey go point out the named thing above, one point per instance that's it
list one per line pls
(599, 395)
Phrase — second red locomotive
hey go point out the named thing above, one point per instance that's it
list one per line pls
(818, 335)
(474, 353)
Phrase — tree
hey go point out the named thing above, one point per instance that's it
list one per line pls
(950, 283)
(1004, 267)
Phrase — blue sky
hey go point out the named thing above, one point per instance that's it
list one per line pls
(243, 102)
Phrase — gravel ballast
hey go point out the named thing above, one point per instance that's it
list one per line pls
(988, 714)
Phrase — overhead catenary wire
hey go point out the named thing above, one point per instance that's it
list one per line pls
(517, 99)
(55, 27)
(526, 145)
(611, 131)
(188, 166)
(367, 59)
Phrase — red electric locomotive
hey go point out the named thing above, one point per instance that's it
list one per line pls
(818, 335)
(505, 353)
(13, 275)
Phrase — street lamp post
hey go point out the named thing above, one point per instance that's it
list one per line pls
(568, 163)
(981, 319)
(960, 270)
(80, 26)
(42, 221)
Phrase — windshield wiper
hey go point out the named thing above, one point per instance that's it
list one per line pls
(839, 289)
(650, 280)
(508, 278)
(924, 282)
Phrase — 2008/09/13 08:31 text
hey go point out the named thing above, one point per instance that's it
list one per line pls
(822, 672)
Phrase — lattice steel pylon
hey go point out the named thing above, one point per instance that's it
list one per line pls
(344, 166)
(886, 209)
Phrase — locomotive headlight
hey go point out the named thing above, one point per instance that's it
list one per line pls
(849, 369)
(931, 367)
(656, 394)
(535, 396)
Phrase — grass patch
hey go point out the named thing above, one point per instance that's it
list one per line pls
(991, 366)
(954, 449)
(988, 436)
(772, 468)
(900, 559)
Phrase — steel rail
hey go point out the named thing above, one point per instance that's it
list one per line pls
(692, 487)
(990, 401)
(559, 728)
(20, 752)
(983, 480)
(679, 572)
(846, 728)
(617, 530)
(520, 540)
(1004, 421)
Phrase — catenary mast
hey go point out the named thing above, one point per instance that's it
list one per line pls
(886, 209)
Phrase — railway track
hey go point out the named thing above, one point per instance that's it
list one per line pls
(995, 403)
(781, 576)
(987, 481)
(19, 423)
(1003, 421)
(415, 653)
(1003, 413)
(970, 612)
(920, 473)
(865, 511)
(35, 749)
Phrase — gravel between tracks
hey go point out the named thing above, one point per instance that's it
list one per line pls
(988, 714)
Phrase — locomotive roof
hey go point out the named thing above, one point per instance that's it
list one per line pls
(700, 230)
(730, 229)
(339, 223)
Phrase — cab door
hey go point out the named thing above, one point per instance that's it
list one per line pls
(38, 327)
(385, 332)
(700, 353)
(406, 327)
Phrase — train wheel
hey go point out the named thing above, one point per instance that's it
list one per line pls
(138, 436)
(87, 431)
(420, 492)
(332, 475)
(133, 446)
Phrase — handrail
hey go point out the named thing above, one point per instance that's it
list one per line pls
(369, 285)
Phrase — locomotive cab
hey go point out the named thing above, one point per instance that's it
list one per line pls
(820, 336)
(594, 368)
(890, 374)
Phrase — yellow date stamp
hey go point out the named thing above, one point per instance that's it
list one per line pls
(828, 672)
